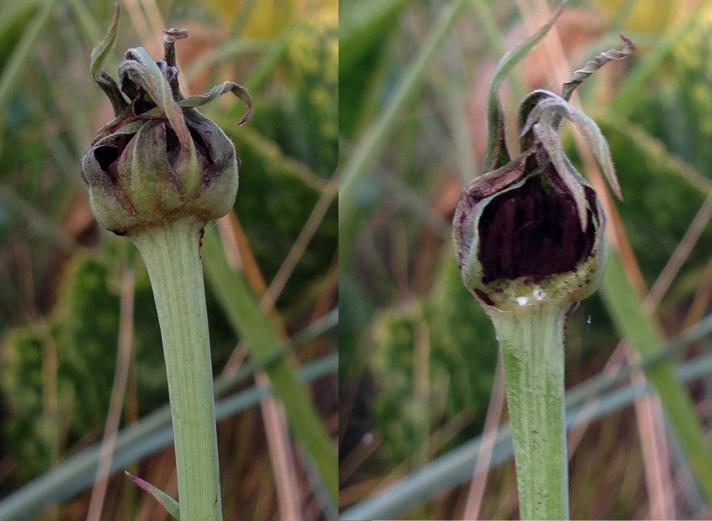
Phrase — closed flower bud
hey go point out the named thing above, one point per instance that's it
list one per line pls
(159, 159)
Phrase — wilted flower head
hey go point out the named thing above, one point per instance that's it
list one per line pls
(530, 230)
(159, 159)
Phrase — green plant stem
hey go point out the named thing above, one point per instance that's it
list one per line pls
(532, 344)
(172, 257)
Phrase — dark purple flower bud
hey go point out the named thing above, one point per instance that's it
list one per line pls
(519, 239)
(530, 231)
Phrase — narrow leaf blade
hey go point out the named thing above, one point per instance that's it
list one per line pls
(497, 154)
(170, 504)
(101, 51)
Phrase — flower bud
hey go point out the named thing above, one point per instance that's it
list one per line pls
(530, 231)
(519, 240)
(159, 159)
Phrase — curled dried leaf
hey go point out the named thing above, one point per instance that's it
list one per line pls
(596, 63)
(218, 90)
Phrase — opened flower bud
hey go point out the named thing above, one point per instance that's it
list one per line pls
(519, 239)
(530, 231)
(529, 240)
(159, 159)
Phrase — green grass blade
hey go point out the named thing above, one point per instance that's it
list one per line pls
(626, 309)
(228, 50)
(86, 22)
(21, 55)
(361, 161)
(12, 13)
(604, 381)
(254, 327)
(363, 22)
(276, 51)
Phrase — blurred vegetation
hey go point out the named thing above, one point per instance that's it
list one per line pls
(60, 275)
(417, 356)
(438, 332)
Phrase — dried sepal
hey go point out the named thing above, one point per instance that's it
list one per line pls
(497, 154)
(101, 77)
(218, 90)
(555, 105)
(595, 63)
(549, 138)
(526, 135)
(138, 72)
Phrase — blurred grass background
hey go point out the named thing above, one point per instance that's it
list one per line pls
(418, 377)
(67, 288)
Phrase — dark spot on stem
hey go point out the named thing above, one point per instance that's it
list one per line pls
(484, 297)
(200, 242)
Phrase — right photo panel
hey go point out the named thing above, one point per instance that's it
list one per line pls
(525, 239)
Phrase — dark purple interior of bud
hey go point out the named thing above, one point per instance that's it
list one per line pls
(142, 104)
(172, 145)
(106, 155)
(534, 231)
(202, 150)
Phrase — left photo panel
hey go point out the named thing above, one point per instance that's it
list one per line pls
(168, 260)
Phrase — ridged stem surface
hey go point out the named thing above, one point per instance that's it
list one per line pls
(172, 256)
(532, 344)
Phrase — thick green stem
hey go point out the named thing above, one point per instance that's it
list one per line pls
(532, 347)
(172, 258)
